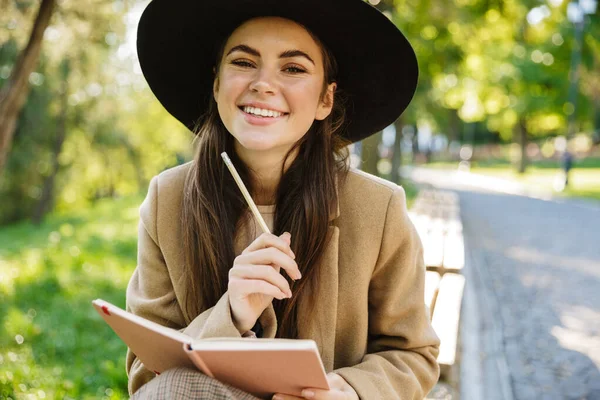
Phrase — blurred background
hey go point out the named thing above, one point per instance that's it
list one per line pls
(508, 104)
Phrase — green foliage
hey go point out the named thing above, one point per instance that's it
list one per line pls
(117, 136)
(484, 70)
(411, 191)
(51, 339)
(18, 193)
(484, 61)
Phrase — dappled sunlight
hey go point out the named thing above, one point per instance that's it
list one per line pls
(26, 267)
(107, 252)
(51, 349)
(52, 342)
(540, 269)
(533, 256)
(580, 331)
(502, 85)
(48, 335)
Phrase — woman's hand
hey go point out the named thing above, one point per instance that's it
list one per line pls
(254, 279)
(339, 389)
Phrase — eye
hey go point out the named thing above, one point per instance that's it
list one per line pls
(242, 63)
(295, 69)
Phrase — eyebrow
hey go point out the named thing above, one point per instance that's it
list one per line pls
(256, 53)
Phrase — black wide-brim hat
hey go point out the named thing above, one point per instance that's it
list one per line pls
(178, 40)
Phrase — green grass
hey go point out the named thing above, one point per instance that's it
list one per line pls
(584, 183)
(52, 342)
(584, 179)
(411, 192)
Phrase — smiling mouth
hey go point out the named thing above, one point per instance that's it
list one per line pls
(260, 113)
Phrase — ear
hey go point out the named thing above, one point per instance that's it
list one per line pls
(326, 105)
(215, 85)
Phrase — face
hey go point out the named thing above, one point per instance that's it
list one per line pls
(269, 86)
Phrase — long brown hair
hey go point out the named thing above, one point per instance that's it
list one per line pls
(213, 205)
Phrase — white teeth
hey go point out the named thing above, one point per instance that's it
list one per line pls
(262, 112)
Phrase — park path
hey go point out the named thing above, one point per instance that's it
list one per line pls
(532, 308)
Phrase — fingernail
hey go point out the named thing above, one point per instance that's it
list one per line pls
(277, 397)
(308, 394)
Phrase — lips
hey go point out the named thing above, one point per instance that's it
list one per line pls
(261, 112)
(260, 120)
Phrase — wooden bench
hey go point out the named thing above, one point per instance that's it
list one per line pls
(436, 215)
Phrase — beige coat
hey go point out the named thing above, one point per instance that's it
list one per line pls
(371, 324)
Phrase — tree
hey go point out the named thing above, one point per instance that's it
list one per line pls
(47, 195)
(14, 92)
(370, 153)
(397, 152)
(499, 65)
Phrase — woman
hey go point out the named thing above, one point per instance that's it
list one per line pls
(283, 87)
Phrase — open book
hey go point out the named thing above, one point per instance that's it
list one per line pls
(258, 366)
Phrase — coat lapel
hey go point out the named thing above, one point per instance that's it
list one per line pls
(324, 318)
(323, 323)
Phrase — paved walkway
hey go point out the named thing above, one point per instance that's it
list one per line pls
(532, 311)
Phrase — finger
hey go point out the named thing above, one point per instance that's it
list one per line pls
(336, 390)
(269, 240)
(320, 394)
(271, 255)
(264, 272)
(335, 381)
(287, 237)
(280, 396)
(245, 287)
(282, 242)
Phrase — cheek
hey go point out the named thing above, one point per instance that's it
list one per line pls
(305, 99)
(230, 87)
(304, 108)
(227, 97)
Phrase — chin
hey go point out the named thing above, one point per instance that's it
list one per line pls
(257, 142)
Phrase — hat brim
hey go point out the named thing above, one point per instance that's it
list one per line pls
(177, 48)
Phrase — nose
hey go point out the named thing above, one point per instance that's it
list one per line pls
(264, 82)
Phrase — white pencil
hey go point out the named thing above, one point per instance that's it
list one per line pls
(247, 196)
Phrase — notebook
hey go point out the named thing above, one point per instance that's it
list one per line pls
(258, 366)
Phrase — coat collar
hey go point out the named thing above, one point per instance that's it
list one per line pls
(325, 309)
(335, 211)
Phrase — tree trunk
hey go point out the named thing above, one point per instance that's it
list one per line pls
(137, 163)
(522, 137)
(370, 153)
(595, 118)
(596, 107)
(454, 126)
(14, 92)
(415, 145)
(397, 152)
(46, 203)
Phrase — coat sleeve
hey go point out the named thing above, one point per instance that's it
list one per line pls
(151, 295)
(402, 349)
